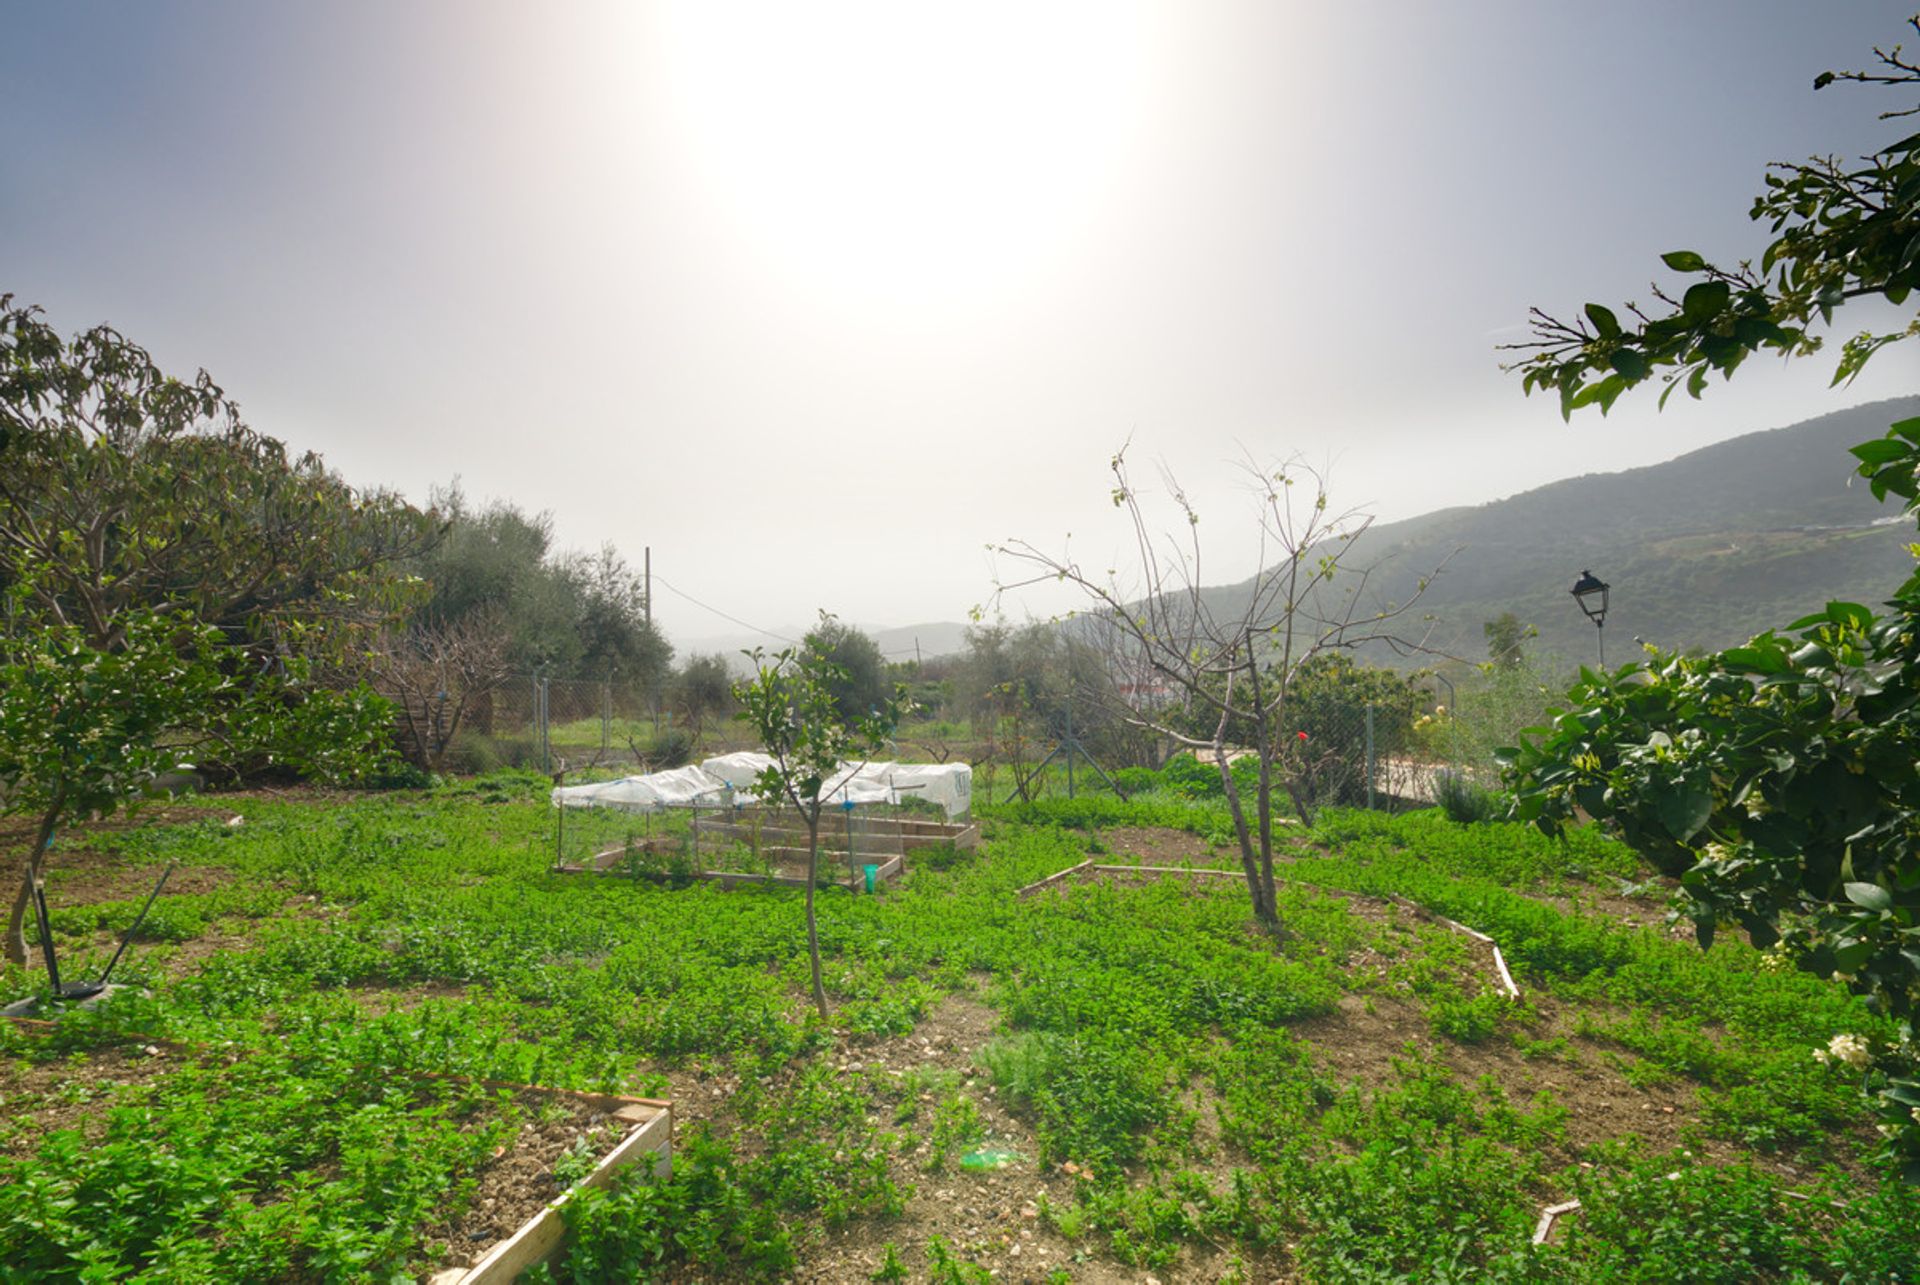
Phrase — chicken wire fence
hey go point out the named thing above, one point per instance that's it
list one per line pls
(555, 724)
(1355, 755)
(1351, 755)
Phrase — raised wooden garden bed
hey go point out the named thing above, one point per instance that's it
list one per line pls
(648, 1140)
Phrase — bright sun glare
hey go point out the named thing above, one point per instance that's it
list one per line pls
(905, 149)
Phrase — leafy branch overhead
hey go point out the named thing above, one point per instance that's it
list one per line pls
(1776, 779)
(1840, 231)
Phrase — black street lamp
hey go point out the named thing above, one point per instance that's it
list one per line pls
(1590, 591)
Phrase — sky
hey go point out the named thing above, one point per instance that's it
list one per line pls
(817, 301)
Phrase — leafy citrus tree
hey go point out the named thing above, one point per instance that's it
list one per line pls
(1776, 779)
(86, 730)
(792, 702)
(171, 581)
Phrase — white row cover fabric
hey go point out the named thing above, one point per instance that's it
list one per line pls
(949, 785)
(728, 780)
(738, 770)
(681, 787)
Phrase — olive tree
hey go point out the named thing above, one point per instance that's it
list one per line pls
(1775, 779)
(792, 703)
(702, 689)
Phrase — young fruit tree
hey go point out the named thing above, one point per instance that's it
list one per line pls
(171, 581)
(1775, 779)
(1215, 669)
(791, 703)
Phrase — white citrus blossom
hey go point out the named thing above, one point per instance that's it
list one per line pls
(1850, 1049)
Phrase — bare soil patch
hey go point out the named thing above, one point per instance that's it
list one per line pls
(72, 884)
(1154, 846)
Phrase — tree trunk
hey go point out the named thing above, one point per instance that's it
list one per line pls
(1301, 803)
(813, 927)
(1266, 840)
(16, 943)
(1263, 905)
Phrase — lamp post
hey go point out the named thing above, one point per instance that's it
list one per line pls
(1590, 591)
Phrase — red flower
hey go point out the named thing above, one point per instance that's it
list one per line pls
(1301, 735)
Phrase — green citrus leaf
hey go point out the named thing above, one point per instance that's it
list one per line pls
(1869, 896)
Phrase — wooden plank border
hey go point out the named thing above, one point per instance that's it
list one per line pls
(1052, 879)
(541, 1236)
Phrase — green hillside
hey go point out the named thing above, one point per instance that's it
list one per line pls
(1702, 551)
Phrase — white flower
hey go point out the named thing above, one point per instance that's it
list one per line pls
(1851, 1049)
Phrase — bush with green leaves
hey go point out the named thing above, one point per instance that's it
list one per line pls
(1463, 800)
(1776, 778)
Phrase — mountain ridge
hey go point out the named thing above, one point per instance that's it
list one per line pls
(1703, 550)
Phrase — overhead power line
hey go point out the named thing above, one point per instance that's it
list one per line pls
(681, 593)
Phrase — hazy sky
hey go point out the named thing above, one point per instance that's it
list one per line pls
(819, 299)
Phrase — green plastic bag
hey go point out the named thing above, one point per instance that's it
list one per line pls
(987, 1159)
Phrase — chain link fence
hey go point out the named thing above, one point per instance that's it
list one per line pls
(1387, 758)
(1349, 755)
(571, 725)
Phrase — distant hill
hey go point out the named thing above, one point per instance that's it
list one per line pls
(935, 638)
(1702, 551)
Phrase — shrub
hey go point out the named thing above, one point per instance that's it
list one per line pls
(1136, 780)
(1462, 800)
(1188, 777)
(476, 754)
(670, 747)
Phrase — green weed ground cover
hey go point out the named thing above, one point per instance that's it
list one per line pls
(1146, 1034)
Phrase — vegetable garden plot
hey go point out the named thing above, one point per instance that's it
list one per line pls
(1358, 1099)
(860, 848)
(158, 1157)
(1089, 870)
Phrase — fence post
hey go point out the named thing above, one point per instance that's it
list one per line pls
(606, 714)
(546, 741)
(1369, 758)
(1072, 745)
